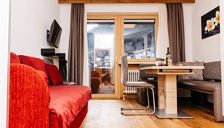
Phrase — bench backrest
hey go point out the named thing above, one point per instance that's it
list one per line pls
(212, 71)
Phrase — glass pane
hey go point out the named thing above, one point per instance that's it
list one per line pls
(139, 39)
(101, 56)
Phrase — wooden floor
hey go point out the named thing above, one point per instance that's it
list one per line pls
(106, 114)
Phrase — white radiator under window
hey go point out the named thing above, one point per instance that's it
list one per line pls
(133, 76)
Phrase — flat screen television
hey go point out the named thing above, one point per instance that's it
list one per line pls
(54, 35)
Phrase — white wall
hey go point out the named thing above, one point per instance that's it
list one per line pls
(221, 48)
(188, 31)
(207, 49)
(32, 18)
(29, 21)
(4, 63)
(163, 41)
(65, 15)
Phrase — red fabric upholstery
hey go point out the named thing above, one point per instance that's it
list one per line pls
(66, 102)
(78, 120)
(55, 121)
(36, 63)
(29, 105)
(54, 74)
(76, 123)
(29, 98)
(14, 58)
(43, 75)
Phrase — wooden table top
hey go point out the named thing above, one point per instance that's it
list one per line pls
(171, 70)
(171, 67)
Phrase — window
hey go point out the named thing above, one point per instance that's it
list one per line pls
(100, 34)
(139, 38)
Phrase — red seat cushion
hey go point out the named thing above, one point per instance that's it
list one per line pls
(43, 75)
(36, 63)
(14, 58)
(54, 75)
(67, 101)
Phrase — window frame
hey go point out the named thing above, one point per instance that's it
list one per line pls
(120, 17)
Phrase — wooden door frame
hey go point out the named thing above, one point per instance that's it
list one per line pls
(119, 44)
(99, 16)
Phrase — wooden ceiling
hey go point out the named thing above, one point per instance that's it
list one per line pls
(125, 1)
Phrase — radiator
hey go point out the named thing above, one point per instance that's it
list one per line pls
(133, 76)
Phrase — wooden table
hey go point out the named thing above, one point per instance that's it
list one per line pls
(167, 88)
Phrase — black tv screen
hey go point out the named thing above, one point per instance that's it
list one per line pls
(54, 34)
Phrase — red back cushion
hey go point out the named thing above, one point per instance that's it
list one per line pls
(36, 63)
(54, 75)
(14, 58)
(43, 75)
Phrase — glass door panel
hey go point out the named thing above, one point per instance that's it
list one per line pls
(139, 38)
(101, 54)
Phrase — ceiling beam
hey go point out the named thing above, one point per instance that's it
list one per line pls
(124, 1)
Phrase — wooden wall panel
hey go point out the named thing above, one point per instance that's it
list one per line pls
(126, 1)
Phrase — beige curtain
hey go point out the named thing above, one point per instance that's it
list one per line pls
(176, 31)
(76, 44)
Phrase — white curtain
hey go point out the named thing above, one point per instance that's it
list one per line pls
(86, 76)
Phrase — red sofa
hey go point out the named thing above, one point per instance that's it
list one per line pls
(33, 103)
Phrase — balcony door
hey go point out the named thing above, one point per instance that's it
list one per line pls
(109, 37)
(101, 56)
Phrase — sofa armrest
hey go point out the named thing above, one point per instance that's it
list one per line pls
(29, 98)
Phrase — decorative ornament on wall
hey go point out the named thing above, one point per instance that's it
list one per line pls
(210, 23)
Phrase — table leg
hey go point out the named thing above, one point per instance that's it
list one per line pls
(167, 98)
(170, 94)
(161, 92)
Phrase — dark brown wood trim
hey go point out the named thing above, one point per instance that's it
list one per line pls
(124, 1)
